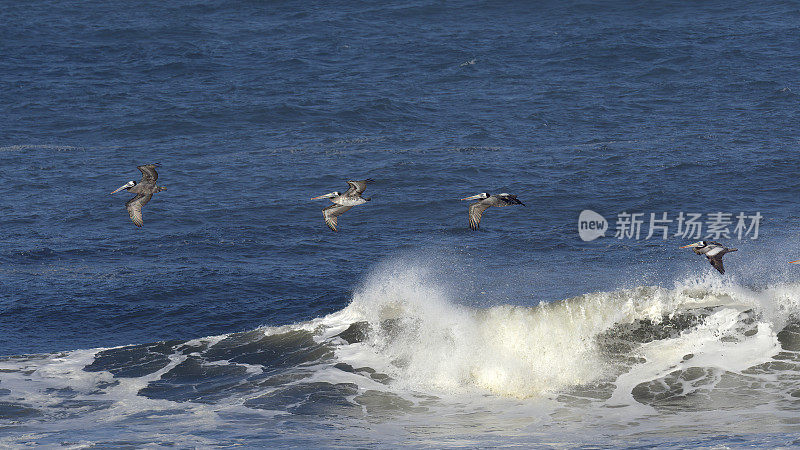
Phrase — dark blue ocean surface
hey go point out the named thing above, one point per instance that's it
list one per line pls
(254, 107)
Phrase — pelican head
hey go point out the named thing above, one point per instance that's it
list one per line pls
(480, 196)
(698, 244)
(329, 195)
(127, 185)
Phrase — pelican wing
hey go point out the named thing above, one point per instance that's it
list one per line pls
(331, 214)
(357, 187)
(149, 174)
(476, 211)
(134, 207)
(508, 199)
(716, 261)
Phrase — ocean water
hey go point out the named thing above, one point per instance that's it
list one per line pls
(236, 317)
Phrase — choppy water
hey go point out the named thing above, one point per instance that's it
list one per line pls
(234, 316)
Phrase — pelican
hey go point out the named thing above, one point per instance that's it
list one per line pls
(714, 251)
(484, 202)
(343, 202)
(144, 191)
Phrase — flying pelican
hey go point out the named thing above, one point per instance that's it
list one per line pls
(484, 202)
(714, 251)
(343, 202)
(144, 191)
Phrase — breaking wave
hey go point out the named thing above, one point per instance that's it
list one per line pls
(405, 345)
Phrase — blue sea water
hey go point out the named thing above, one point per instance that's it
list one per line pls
(236, 317)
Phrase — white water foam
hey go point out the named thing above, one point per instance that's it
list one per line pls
(510, 361)
(428, 341)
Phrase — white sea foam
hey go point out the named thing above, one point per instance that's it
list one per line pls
(427, 340)
(442, 353)
(718, 342)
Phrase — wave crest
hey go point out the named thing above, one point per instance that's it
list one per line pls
(426, 339)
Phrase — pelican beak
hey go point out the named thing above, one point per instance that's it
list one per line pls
(328, 195)
(690, 245)
(474, 197)
(120, 188)
(795, 262)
